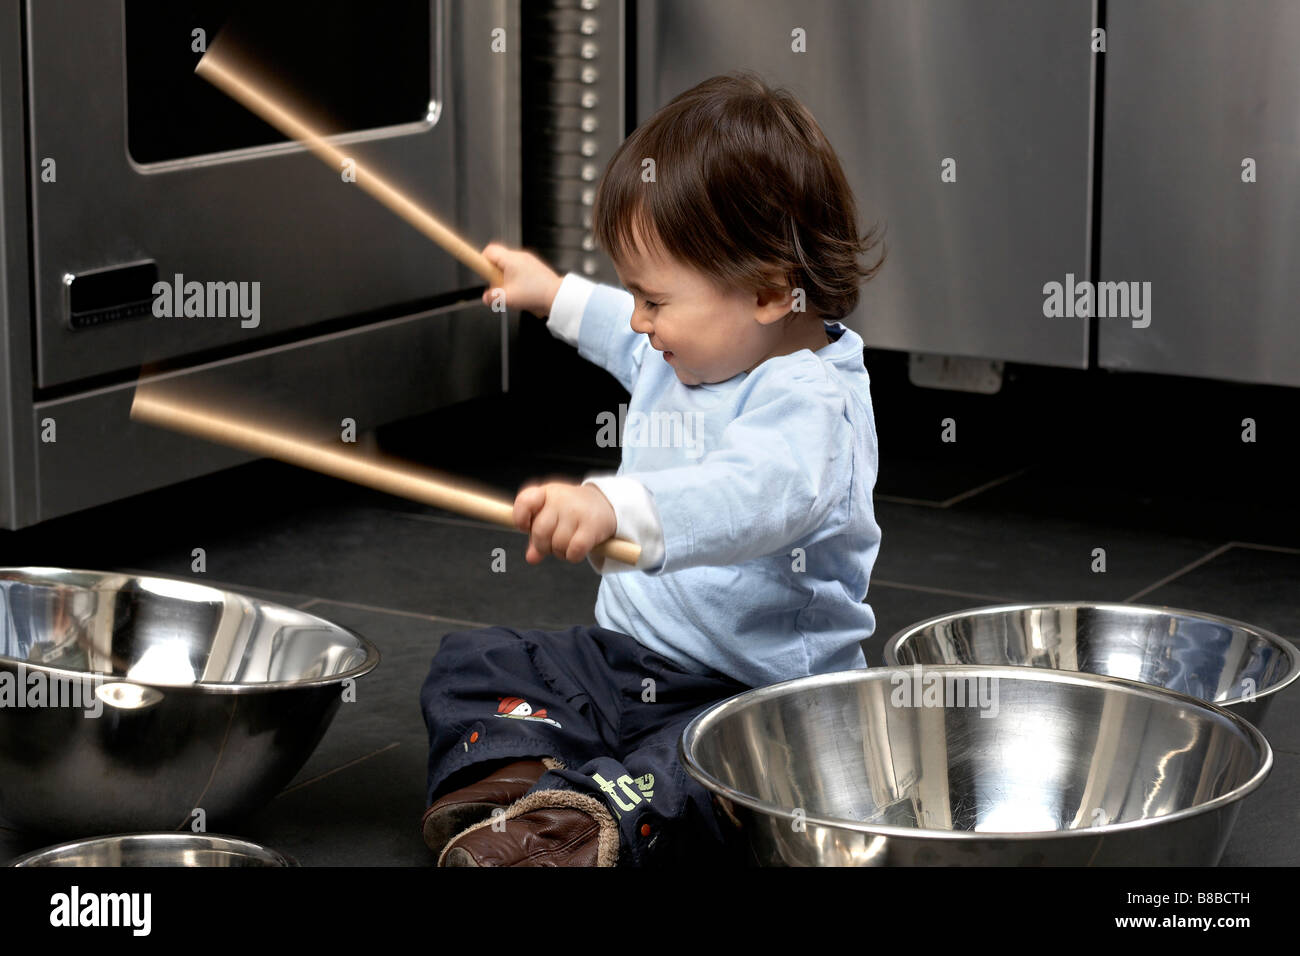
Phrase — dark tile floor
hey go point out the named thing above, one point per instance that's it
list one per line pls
(1001, 520)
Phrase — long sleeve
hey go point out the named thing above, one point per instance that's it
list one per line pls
(638, 521)
(781, 472)
(596, 319)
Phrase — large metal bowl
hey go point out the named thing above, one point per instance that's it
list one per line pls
(1213, 658)
(133, 703)
(157, 849)
(1000, 766)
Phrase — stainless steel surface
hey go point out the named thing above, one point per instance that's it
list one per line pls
(1207, 85)
(575, 80)
(458, 354)
(161, 697)
(1003, 87)
(982, 376)
(1211, 658)
(377, 373)
(847, 769)
(17, 444)
(319, 248)
(157, 849)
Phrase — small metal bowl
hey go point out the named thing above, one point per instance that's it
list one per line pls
(144, 703)
(1212, 658)
(1002, 766)
(157, 849)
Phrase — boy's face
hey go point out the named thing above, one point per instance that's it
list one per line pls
(705, 333)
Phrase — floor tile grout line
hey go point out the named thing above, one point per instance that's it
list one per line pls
(1203, 559)
(440, 519)
(930, 590)
(899, 500)
(1264, 547)
(984, 487)
(391, 610)
(327, 773)
(309, 600)
(221, 585)
(305, 601)
(949, 502)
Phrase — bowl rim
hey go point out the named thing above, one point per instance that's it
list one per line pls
(1283, 645)
(221, 840)
(32, 575)
(1033, 674)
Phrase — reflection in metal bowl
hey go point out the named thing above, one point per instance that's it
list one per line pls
(1213, 658)
(998, 766)
(157, 849)
(128, 703)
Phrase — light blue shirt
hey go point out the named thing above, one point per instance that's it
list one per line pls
(761, 489)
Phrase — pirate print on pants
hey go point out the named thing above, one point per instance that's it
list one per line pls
(517, 708)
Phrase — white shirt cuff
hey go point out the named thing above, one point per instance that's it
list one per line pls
(638, 521)
(566, 311)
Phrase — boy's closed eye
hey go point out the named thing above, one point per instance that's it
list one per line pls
(649, 300)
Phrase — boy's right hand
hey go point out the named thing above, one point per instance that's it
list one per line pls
(528, 283)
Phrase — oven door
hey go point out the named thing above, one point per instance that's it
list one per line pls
(143, 173)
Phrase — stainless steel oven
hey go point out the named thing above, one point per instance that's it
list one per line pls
(122, 170)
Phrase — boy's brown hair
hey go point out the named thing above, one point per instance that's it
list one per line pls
(747, 190)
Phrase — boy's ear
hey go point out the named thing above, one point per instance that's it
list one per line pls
(772, 304)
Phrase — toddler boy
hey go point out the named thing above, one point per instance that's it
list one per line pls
(734, 232)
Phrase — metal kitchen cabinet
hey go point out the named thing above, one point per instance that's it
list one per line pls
(1192, 90)
(1004, 88)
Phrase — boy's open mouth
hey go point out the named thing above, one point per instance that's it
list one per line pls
(668, 356)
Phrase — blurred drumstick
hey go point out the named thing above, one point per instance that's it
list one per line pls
(403, 479)
(239, 86)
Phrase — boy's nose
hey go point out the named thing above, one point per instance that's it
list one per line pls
(642, 324)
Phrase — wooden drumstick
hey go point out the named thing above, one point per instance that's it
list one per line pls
(403, 479)
(230, 81)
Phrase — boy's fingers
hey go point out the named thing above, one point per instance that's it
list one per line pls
(543, 530)
(539, 545)
(580, 546)
(562, 535)
(530, 500)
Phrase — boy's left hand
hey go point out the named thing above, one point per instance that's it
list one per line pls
(563, 519)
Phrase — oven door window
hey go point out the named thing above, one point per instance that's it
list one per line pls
(351, 66)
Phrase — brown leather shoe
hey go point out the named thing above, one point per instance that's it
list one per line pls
(459, 809)
(546, 828)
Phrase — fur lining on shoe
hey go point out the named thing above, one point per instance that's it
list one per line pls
(553, 763)
(606, 840)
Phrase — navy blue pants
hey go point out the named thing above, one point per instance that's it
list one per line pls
(598, 701)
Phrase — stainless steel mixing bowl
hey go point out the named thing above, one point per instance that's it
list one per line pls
(980, 766)
(128, 703)
(157, 849)
(1213, 658)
